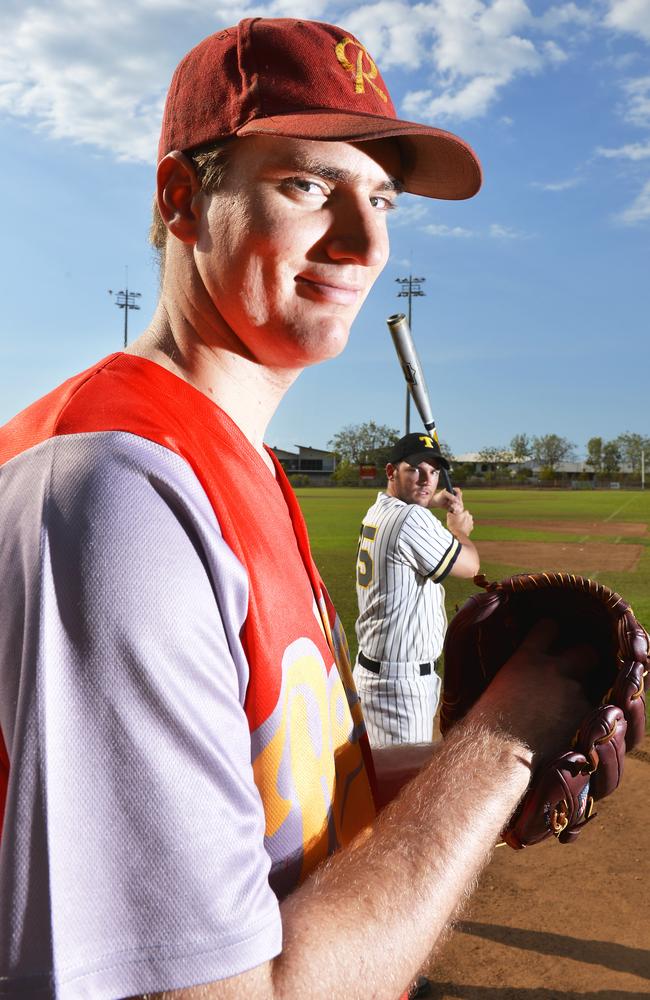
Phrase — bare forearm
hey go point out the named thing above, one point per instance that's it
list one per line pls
(380, 907)
(365, 922)
(468, 563)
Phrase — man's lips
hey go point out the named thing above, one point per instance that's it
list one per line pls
(342, 293)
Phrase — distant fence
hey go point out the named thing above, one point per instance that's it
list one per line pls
(552, 484)
(481, 484)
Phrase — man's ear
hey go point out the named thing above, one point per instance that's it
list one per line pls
(178, 189)
(390, 470)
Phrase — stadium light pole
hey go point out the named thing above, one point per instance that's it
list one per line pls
(410, 288)
(125, 300)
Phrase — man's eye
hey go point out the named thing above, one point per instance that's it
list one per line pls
(383, 203)
(306, 186)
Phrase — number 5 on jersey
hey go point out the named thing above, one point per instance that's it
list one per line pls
(364, 559)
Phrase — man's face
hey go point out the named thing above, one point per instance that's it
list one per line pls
(413, 483)
(292, 242)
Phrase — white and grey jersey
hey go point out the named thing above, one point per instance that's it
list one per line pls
(133, 855)
(404, 554)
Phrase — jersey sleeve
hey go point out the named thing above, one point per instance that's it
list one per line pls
(133, 852)
(426, 545)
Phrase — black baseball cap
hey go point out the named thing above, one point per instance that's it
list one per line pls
(416, 448)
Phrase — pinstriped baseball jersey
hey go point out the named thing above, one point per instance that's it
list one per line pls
(404, 554)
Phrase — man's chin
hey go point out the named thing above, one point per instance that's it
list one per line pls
(327, 339)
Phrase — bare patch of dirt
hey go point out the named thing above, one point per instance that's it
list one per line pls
(561, 921)
(612, 529)
(569, 556)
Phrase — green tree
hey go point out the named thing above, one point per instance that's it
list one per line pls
(356, 443)
(611, 457)
(595, 453)
(494, 453)
(521, 447)
(346, 474)
(550, 449)
(380, 457)
(461, 474)
(631, 446)
(299, 480)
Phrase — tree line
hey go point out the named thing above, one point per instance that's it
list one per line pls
(371, 443)
(549, 450)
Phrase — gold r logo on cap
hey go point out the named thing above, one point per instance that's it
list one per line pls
(361, 75)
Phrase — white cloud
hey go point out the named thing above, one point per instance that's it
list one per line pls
(499, 232)
(637, 111)
(441, 230)
(557, 18)
(639, 210)
(391, 31)
(556, 185)
(475, 52)
(629, 15)
(477, 49)
(494, 232)
(622, 62)
(554, 53)
(410, 209)
(632, 151)
(471, 100)
(90, 72)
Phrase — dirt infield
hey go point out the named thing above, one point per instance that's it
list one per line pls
(561, 921)
(611, 529)
(573, 557)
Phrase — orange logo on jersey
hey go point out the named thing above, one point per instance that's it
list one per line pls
(308, 765)
(361, 75)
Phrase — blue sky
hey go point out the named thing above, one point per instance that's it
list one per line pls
(536, 315)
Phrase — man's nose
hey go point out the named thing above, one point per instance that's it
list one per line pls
(358, 234)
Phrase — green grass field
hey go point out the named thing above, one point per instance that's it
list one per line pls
(334, 515)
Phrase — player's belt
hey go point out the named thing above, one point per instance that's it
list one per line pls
(374, 665)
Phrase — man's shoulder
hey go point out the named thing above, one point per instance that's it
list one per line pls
(419, 522)
(424, 518)
(385, 505)
(38, 422)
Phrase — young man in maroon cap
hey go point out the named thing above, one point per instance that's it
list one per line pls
(182, 747)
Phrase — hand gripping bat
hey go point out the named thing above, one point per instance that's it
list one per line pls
(408, 359)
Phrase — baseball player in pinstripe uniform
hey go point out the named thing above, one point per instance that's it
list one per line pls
(404, 555)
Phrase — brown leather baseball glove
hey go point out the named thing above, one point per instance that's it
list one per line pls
(487, 630)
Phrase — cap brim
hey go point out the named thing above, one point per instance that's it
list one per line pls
(437, 164)
(426, 456)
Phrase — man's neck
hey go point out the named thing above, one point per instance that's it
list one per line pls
(248, 392)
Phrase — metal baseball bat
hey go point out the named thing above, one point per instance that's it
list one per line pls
(408, 359)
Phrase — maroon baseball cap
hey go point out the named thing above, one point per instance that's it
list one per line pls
(304, 80)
